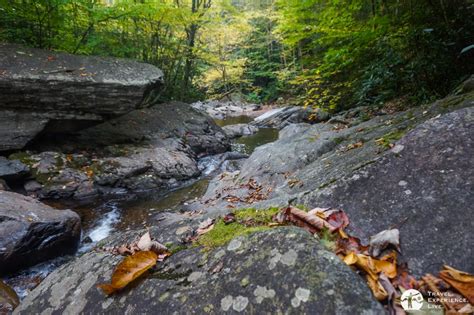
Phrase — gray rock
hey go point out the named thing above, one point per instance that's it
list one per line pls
(423, 187)
(423, 184)
(286, 271)
(31, 232)
(282, 117)
(225, 109)
(12, 169)
(162, 121)
(239, 130)
(40, 86)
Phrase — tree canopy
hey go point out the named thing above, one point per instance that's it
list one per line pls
(326, 53)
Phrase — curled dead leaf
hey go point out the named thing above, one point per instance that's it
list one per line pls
(462, 281)
(128, 270)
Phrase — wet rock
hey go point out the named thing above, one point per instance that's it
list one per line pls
(41, 90)
(282, 117)
(239, 130)
(31, 232)
(11, 170)
(286, 271)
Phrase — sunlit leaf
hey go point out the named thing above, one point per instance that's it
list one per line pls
(128, 270)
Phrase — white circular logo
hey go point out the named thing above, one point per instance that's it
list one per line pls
(412, 300)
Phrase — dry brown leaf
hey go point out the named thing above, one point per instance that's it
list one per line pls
(8, 298)
(461, 281)
(147, 244)
(128, 270)
(311, 223)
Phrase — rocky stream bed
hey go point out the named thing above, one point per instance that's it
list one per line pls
(176, 169)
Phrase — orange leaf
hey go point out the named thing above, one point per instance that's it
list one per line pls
(128, 270)
(461, 281)
(377, 289)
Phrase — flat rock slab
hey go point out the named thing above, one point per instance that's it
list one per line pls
(423, 187)
(283, 270)
(31, 232)
(51, 86)
(12, 169)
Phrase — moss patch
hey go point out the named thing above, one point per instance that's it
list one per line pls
(223, 233)
(247, 221)
(388, 139)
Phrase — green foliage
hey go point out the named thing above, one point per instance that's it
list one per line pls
(333, 54)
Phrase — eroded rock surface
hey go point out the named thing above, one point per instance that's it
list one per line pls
(31, 232)
(41, 90)
(283, 270)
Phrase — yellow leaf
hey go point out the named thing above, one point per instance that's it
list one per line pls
(377, 289)
(460, 280)
(128, 270)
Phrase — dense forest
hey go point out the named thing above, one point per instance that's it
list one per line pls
(327, 53)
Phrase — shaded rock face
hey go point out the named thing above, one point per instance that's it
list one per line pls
(153, 148)
(162, 121)
(283, 270)
(31, 232)
(423, 185)
(41, 89)
(12, 169)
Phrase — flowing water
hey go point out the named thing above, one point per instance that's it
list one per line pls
(136, 211)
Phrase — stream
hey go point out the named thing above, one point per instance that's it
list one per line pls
(127, 212)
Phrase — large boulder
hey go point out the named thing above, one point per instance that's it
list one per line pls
(42, 89)
(280, 271)
(31, 232)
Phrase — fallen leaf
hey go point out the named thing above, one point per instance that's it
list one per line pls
(8, 298)
(392, 296)
(309, 222)
(337, 218)
(205, 226)
(147, 244)
(128, 270)
(382, 240)
(377, 289)
(460, 280)
(350, 244)
(372, 266)
(229, 218)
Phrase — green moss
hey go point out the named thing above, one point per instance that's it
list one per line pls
(223, 233)
(388, 139)
(328, 239)
(175, 248)
(261, 216)
(339, 140)
(24, 157)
